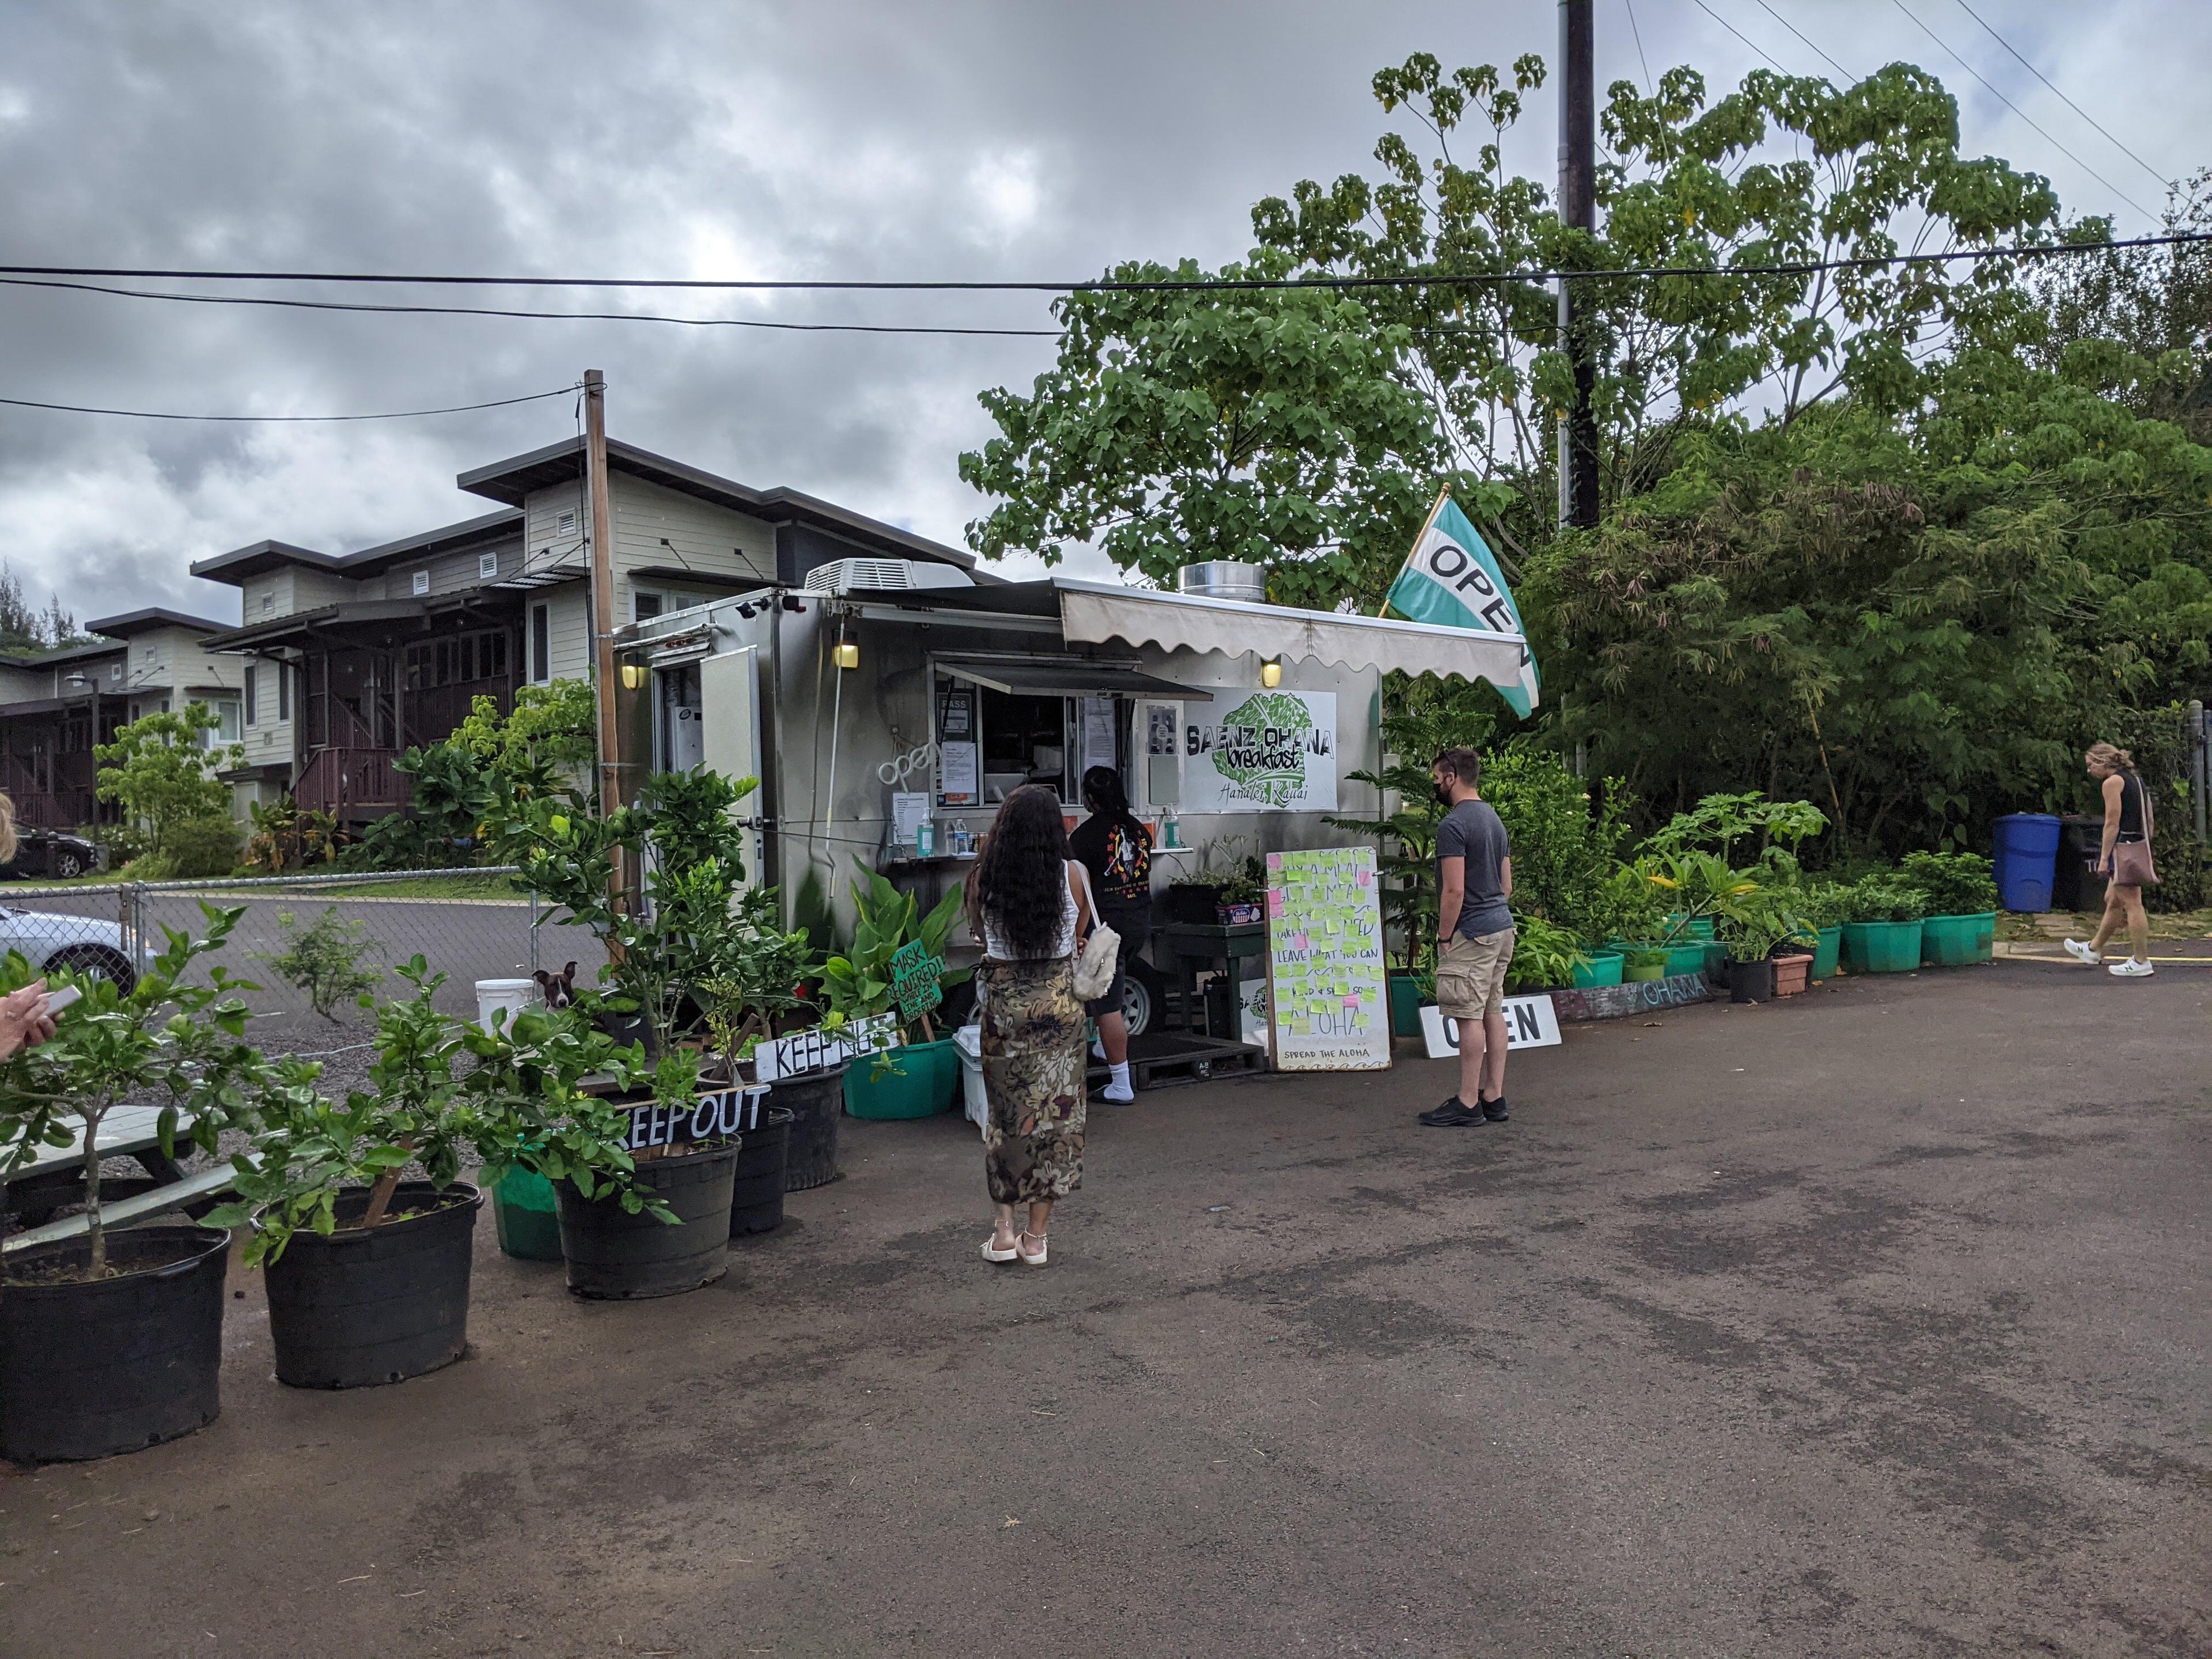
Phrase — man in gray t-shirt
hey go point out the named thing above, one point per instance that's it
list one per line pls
(1474, 939)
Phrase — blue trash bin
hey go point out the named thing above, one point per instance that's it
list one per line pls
(2026, 858)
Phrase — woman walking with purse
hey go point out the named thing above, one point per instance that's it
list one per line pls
(2124, 860)
(1028, 904)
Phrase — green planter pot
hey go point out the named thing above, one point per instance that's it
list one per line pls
(1603, 969)
(1690, 958)
(1826, 952)
(1701, 929)
(1958, 941)
(1881, 947)
(1642, 975)
(916, 1081)
(523, 1211)
(1404, 1006)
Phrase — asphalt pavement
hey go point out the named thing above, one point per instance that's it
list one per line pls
(1872, 1322)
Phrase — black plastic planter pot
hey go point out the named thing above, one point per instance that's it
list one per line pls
(380, 1304)
(1751, 982)
(816, 1100)
(757, 1193)
(612, 1255)
(89, 1369)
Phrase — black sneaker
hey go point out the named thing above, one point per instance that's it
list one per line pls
(1494, 1111)
(1453, 1114)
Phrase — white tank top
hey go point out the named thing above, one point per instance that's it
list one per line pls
(999, 948)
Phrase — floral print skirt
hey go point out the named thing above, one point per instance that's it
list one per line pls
(1032, 1040)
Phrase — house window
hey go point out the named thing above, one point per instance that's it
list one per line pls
(252, 695)
(420, 583)
(283, 691)
(646, 605)
(541, 643)
(457, 660)
(487, 566)
(269, 605)
(226, 717)
(115, 673)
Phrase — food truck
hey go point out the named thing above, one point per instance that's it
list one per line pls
(888, 705)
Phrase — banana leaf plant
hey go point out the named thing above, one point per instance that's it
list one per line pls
(858, 982)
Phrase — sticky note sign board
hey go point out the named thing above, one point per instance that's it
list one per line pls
(1530, 1023)
(1329, 1008)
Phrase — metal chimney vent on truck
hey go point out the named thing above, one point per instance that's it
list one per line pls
(842, 576)
(1221, 578)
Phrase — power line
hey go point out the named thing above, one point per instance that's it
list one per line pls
(1170, 284)
(2023, 114)
(490, 311)
(394, 415)
(1650, 85)
(1741, 36)
(1807, 39)
(2069, 102)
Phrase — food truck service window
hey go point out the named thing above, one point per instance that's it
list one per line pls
(1004, 722)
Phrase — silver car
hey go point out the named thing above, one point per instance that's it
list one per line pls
(86, 945)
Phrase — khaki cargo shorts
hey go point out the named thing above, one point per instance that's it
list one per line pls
(1471, 975)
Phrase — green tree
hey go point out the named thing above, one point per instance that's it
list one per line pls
(1874, 170)
(1179, 426)
(160, 770)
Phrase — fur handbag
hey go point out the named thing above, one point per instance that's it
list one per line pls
(1094, 969)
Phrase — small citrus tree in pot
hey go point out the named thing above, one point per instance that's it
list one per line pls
(112, 1342)
(367, 1272)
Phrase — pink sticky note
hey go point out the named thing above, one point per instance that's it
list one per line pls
(1274, 860)
(1351, 1001)
(1275, 902)
(1300, 942)
(1362, 877)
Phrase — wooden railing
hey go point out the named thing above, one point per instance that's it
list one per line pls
(351, 783)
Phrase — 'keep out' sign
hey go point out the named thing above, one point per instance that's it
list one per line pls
(710, 1117)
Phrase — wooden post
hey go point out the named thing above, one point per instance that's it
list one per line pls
(603, 588)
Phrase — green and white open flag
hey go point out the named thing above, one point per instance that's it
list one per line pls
(1452, 581)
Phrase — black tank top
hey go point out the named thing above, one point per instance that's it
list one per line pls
(2131, 806)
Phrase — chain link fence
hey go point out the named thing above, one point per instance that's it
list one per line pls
(468, 924)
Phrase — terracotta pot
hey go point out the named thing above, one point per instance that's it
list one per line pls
(1792, 973)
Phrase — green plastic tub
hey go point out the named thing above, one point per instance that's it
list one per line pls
(917, 1081)
(1881, 947)
(1826, 953)
(1700, 930)
(1404, 1006)
(522, 1209)
(1688, 958)
(1603, 969)
(1956, 941)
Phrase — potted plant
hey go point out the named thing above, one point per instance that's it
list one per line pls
(1241, 901)
(1881, 924)
(367, 1273)
(1751, 930)
(635, 1221)
(1642, 964)
(110, 1344)
(1193, 896)
(914, 1079)
(1546, 956)
(1961, 895)
(1820, 906)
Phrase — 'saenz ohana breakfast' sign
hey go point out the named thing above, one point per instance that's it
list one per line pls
(1274, 752)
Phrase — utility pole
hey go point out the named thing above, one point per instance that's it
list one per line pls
(603, 588)
(1578, 211)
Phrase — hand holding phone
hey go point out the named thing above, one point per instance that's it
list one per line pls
(58, 1001)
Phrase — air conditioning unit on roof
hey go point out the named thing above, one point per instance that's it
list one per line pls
(842, 576)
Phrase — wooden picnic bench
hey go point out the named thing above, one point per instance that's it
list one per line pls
(56, 1177)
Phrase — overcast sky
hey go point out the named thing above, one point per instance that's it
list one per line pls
(836, 138)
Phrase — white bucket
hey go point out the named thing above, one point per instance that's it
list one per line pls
(970, 1040)
(511, 994)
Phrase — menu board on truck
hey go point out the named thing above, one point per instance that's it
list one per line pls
(1329, 1008)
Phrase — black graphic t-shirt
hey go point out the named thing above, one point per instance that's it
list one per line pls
(1119, 857)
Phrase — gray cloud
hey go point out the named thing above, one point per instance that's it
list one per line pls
(859, 139)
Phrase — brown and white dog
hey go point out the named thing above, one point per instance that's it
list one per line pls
(560, 989)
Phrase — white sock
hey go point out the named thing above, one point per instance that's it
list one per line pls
(1117, 1085)
(1099, 1051)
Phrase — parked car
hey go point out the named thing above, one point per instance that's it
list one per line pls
(83, 945)
(53, 854)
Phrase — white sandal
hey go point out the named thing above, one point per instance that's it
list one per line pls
(1027, 1260)
(990, 1254)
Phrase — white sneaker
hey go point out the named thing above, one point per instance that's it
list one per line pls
(2081, 952)
(2131, 968)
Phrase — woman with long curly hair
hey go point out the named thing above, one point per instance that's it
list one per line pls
(1028, 904)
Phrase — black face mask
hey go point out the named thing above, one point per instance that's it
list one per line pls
(1443, 794)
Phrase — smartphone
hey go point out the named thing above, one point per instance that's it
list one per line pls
(58, 1001)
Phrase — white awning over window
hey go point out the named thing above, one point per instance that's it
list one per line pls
(1095, 612)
